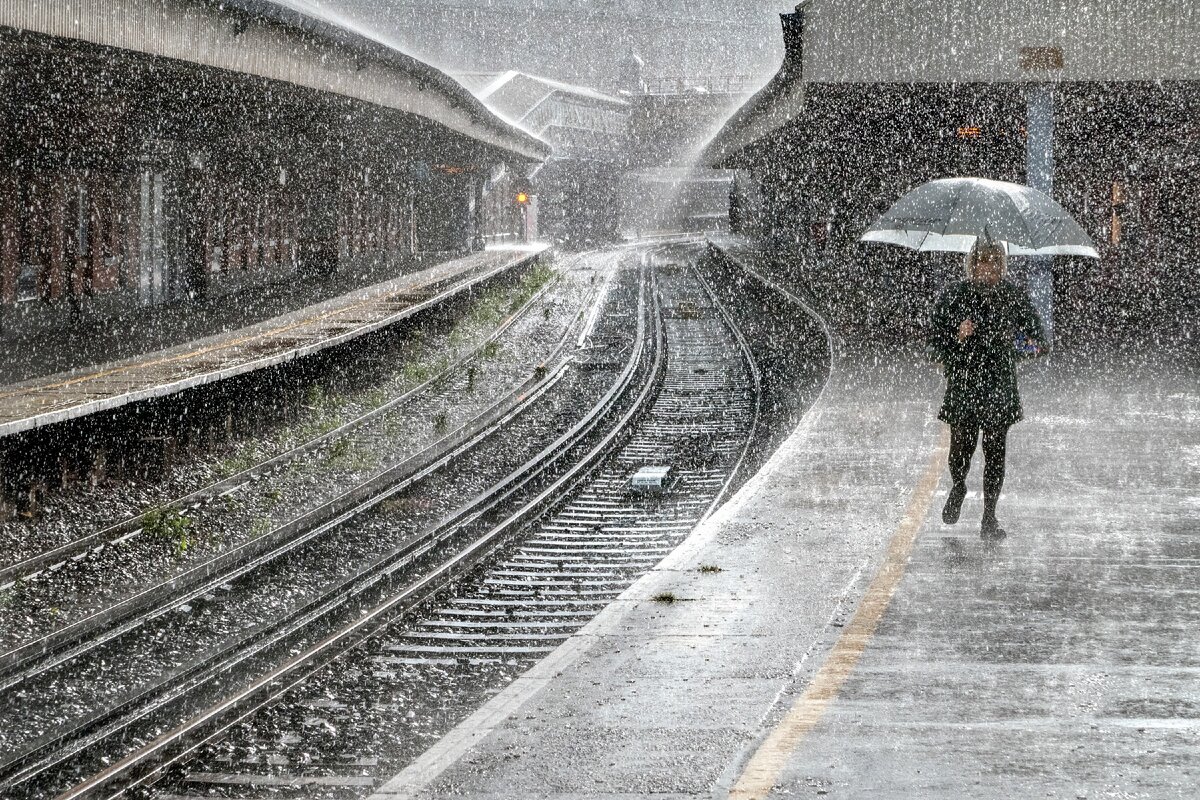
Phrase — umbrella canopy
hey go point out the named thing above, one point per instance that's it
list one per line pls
(951, 213)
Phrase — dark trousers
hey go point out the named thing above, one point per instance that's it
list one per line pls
(963, 441)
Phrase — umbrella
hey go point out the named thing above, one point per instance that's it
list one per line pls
(951, 213)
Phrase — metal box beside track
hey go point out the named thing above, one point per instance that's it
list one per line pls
(651, 480)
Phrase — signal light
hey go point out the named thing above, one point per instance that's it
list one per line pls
(522, 198)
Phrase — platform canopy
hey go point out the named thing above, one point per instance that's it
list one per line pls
(294, 41)
(866, 43)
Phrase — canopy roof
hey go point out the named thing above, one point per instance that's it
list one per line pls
(579, 122)
(516, 95)
(296, 41)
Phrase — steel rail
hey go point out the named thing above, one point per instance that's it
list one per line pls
(430, 633)
(600, 583)
(321, 520)
(834, 344)
(146, 764)
(755, 380)
(11, 769)
(72, 642)
(38, 655)
(131, 526)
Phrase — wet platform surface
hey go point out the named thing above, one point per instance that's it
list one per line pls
(1062, 661)
(67, 395)
(853, 645)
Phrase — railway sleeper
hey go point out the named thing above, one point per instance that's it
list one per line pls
(632, 564)
(569, 576)
(468, 614)
(467, 650)
(283, 780)
(459, 636)
(521, 604)
(553, 594)
(625, 540)
(574, 552)
(502, 624)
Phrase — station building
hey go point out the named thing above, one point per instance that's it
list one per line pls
(1096, 102)
(672, 119)
(578, 188)
(155, 151)
(623, 163)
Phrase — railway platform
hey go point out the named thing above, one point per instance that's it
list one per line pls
(824, 634)
(89, 388)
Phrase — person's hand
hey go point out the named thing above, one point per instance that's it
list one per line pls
(965, 329)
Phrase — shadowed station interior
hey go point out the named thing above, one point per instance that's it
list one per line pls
(492, 400)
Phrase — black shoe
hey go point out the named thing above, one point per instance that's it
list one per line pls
(990, 529)
(954, 502)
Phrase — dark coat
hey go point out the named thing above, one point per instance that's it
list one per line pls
(981, 371)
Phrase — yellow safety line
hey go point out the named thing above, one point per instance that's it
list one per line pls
(221, 346)
(769, 760)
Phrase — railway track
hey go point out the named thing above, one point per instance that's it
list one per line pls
(421, 512)
(542, 545)
(84, 558)
(29, 567)
(343, 731)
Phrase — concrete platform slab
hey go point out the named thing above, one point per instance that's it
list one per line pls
(1061, 662)
(87, 390)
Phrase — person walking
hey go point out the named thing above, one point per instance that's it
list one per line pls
(979, 327)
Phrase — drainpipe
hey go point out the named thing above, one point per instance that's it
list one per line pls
(1039, 166)
(1047, 64)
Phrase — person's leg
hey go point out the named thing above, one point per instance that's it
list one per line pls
(962, 446)
(963, 441)
(995, 441)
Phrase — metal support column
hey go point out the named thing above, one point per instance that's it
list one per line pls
(1039, 166)
(477, 221)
